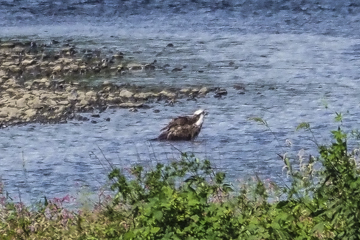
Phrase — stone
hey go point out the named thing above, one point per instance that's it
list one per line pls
(83, 102)
(30, 113)
(2, 73)
(11, 83)
(35, 103)
(7, 45)
(31, 68)
(134, 67)
(43, 64)
(126, 93)
(21, 103)
(59, 110)
(44, 82)
(145, 95)
(57, 68)
(91, 95)
(18, 49)
(74, 68)
(28, 62)
(195, 90)
(7, 64)
(14, 113)
(167, 94)
(185, 90)
(51, 103)
(63, 102)
(3, 113)
(65, 60)
(204, 91)
(118, 56)
(130, 105)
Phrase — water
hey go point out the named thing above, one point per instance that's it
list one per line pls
(297, 62)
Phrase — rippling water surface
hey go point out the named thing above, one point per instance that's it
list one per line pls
(297, 62)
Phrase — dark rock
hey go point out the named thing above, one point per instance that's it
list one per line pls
(107, 119)
(220, 92)
(170, 45)
(150, 66)
(81, 118)
(239, 86)
(176, 70)
(54, 41)
(136, 68)
(95, 115)
(156, 111)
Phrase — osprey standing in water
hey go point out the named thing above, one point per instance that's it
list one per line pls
(183, 127)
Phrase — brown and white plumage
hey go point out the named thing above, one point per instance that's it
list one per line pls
(183, 127)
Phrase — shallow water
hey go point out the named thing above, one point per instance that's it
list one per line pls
(292, 72)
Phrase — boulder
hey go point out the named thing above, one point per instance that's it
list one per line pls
(14, 113)
(7, 64)
(3, 113)
(145, 95)
(185, 90)
(126, 93)
(57, 68)
(21, 103)
(167, 94)
(29, 114)
(7, 45)
(204, 90)
(36, 103)
(91, 95)
(130, 105)
(64, 102)
(134, 67)
(2, 73)
(28, 62)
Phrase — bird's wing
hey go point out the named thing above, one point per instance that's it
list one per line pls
(179, 121)
(184, 132)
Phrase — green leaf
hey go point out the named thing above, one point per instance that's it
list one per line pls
(158, 215)
(303, 125)
(155, 229)
(259, 120)
(338, 117)
(195, 218)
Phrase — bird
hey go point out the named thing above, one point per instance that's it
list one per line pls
(185, 128)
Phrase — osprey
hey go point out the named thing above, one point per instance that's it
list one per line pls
(183, 127)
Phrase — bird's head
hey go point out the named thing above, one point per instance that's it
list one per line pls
(199, 112)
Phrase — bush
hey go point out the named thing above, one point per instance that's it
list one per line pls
(189, 199)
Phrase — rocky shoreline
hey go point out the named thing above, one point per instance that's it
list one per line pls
(37, 83)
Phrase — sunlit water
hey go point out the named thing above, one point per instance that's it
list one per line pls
(303, 70)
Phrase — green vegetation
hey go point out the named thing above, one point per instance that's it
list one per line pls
(189, 199)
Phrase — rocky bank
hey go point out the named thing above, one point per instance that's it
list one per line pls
(38, 83)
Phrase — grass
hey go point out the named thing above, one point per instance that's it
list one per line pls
(189, 199)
